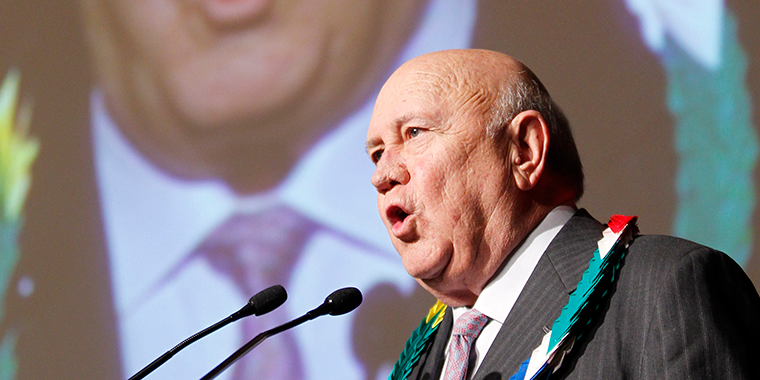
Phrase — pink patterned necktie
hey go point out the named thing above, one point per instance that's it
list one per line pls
(466, 330)
(258, 251)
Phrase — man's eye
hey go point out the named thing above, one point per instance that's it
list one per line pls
(413, 132)
(376, 155)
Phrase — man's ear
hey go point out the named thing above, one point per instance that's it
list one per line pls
(529, 144)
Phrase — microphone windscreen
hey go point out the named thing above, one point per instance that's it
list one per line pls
(343, 300)
(268, 299)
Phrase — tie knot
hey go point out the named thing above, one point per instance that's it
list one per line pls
(470, 323)
(257, 250)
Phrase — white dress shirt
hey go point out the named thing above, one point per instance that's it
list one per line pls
(500, 294)
(154, 221)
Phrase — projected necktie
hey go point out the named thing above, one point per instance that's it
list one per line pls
(466, 329)
(258, 251)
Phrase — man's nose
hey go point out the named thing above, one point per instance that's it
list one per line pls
(390, 172)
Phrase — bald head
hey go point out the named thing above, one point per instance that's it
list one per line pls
(462, 172)
(476, 76)
(502, 87)
(469, 80)
(496, 87)
(466, 67)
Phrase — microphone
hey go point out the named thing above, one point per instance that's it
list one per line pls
(260, 304)
(338, 302)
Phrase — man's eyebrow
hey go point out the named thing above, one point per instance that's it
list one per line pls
(370, 145)
(397, 123)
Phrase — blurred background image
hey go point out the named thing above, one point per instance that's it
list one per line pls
(163, 160)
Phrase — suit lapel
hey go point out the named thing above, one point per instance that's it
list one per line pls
(542, 298)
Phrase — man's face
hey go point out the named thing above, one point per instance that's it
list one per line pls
(444, 191)
(189, 76)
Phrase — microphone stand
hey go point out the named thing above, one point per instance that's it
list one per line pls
(261, 303)
(338, 302)
(168, 354)
(319, 311)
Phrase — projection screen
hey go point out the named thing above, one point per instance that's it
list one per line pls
(151, 149)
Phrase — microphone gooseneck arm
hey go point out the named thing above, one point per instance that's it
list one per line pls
(338, 302)
(261, 303)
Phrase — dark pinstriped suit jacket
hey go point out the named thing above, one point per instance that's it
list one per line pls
(679, 310)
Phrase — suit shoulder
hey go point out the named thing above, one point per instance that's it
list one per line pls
(659, 262)
(688, 301)
(659, 250)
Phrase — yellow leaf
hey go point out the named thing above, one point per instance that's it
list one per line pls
(17, 152)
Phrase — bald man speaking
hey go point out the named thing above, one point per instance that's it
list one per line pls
(478, 176)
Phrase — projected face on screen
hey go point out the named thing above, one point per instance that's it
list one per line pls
(210, 88)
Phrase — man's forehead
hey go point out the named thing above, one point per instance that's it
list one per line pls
(407, 86)
(433, 76)
(419, 91)
(431, 83)
(455, 68)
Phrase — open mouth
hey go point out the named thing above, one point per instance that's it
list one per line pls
(396, 215)
(403, 223)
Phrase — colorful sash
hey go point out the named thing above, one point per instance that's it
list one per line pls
(584, 301)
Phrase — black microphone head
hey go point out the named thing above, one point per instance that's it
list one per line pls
(268, 299)
(343, 300)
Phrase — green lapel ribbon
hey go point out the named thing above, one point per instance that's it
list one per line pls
(417, 342)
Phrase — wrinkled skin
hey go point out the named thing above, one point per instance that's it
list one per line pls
(454, 199)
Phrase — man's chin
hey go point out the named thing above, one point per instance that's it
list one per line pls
(426, 273)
